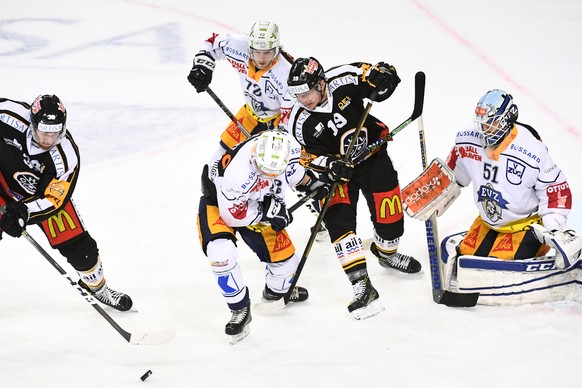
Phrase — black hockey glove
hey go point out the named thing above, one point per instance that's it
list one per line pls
(338, 170)
(383, 79)
(201, 74)
(315, 184)
(14, 220)
(275, 212)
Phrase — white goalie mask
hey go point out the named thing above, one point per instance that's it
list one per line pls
(271, 152)
(495, 114)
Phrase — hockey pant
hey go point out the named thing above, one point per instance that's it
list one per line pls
(232, 135)
(218, 242)
(515, 241)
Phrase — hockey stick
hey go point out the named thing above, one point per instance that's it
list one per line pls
(228, 112)
(133, 338)
(439, 295)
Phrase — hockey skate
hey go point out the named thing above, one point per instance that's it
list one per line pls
(365, 303)
(238, 326)
(299, 294)
(398, 261)
(109, 297)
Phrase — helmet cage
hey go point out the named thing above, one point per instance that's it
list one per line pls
(270, 154)
(495, 115)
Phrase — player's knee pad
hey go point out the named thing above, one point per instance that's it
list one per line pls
(222, 256)
(350, 253)
(82, 253)
(278, 276)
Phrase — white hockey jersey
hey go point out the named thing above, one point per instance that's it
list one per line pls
(240, 187)
(522, 182)
(265, 91)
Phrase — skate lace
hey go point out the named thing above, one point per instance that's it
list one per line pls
(238, 316)
(400, 261)
(294, 294)
(109, 296)
(359, 289)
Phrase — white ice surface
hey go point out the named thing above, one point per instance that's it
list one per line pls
(120, 66)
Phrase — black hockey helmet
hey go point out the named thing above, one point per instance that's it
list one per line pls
(48, 115)
(304, 75)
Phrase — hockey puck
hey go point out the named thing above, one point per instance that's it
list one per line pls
(146, 375)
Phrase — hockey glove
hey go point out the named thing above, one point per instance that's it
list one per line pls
(275, 213)
(201, 74)
(567, 244)
(383, 79)
(14, 220)
(314, 183)
(339, 170)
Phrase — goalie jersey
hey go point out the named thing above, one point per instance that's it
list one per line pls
(512, 185)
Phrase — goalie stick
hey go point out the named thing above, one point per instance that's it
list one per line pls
(419, 82)
(133, 338)
(439, 294)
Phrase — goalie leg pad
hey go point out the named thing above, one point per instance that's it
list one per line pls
(507, 283)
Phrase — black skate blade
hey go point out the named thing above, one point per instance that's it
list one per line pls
(456, 299)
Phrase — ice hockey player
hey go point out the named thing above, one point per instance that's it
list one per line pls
(243, 192)
(523, 199)
(328, 110)
(39, 168)
(262, 66)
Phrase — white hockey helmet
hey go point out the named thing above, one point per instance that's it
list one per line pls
(264, 35)
(495, 114)
(271, 152)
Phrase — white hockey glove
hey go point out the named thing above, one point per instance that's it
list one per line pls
(432, 192)
(567, 244)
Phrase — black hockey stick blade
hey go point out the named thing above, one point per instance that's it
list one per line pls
(456, 299)
(419, 84)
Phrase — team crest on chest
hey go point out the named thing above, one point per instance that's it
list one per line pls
(514, 172)
(492, 201)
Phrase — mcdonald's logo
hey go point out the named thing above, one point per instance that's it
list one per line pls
(390, 207)
(59, 220)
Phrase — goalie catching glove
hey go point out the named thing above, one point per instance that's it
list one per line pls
(432, 192)
(201, 74)
(567, 244)
(275, 213)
